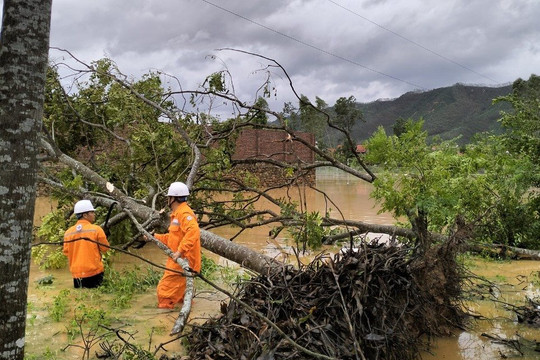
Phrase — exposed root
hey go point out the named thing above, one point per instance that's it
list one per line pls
(374, 304)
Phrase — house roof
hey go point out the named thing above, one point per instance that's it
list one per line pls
(360, 149)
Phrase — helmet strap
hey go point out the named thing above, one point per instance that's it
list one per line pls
(85, 215)
(176, 199)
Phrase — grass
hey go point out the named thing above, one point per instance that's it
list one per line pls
(123, 285)
(77, 316)
(59, 305)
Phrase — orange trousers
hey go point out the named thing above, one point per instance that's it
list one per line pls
(170, 290)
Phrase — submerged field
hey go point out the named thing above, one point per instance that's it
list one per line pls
(67, 323)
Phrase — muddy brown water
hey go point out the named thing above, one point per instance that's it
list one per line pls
(516, 280)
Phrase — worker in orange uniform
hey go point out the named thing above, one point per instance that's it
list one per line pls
(184, 239)
(84, 256)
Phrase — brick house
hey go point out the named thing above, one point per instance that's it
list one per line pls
(276, 145)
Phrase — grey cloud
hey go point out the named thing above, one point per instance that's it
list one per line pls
(327, 50)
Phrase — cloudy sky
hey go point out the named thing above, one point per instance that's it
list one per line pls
(370, 49)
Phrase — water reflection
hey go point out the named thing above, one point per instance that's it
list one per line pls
(512, 279)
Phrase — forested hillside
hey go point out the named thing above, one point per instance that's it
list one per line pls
(447, 112)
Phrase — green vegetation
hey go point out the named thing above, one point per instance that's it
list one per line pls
(488, 192)
(347, 114)
(87, 319)
(309, 234)
(442, 182)
(258, 114)
(523, 123)
(226, 276)
(92, 316)
(59, 305)
(47, 354)
(423, 182)
(457, 112)
(122, 285)
(209, 267)
(314, 118)
(535, 278)
(311, 118)
(52, 229)
(128, 142)
(146, 151)
(31, 316)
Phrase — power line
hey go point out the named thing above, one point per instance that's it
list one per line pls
(413, 42)
(313, 46)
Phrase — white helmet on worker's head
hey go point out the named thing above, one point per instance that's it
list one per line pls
(178, 189)
(83, 206)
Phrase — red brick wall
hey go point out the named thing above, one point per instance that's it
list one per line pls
(270, 175)
(263, 143)
(274, 144)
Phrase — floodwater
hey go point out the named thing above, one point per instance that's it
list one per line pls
(514, 280)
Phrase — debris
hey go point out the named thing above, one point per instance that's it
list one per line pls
(46, 280)
(370, 304)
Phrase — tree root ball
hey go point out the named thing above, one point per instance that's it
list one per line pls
(378, 303)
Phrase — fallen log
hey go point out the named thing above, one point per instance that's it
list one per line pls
(242, 255)
(505, 251)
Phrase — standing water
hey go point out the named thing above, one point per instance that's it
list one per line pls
(349, 199)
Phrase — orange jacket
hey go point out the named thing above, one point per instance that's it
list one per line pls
(85, 256)
(184, 236)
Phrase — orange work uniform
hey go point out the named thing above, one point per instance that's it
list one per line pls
(184, 236)
(85, 256)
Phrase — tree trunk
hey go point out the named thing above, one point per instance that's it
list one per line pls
(419, 223)
(24, 46)
(361, 228)
(240, 254)
(505, 251)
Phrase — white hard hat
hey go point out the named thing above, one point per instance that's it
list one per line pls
(178, 189)
(83, 206)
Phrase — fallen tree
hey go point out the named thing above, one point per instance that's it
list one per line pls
(504, 251)
(151, 141)
(211, 137)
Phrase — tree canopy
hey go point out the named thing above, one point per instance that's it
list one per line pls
(487, 191)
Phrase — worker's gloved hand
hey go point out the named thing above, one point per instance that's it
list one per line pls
(141, 241)
(176, 255)
(146, 238)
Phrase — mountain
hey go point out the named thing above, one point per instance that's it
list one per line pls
(447, 112)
